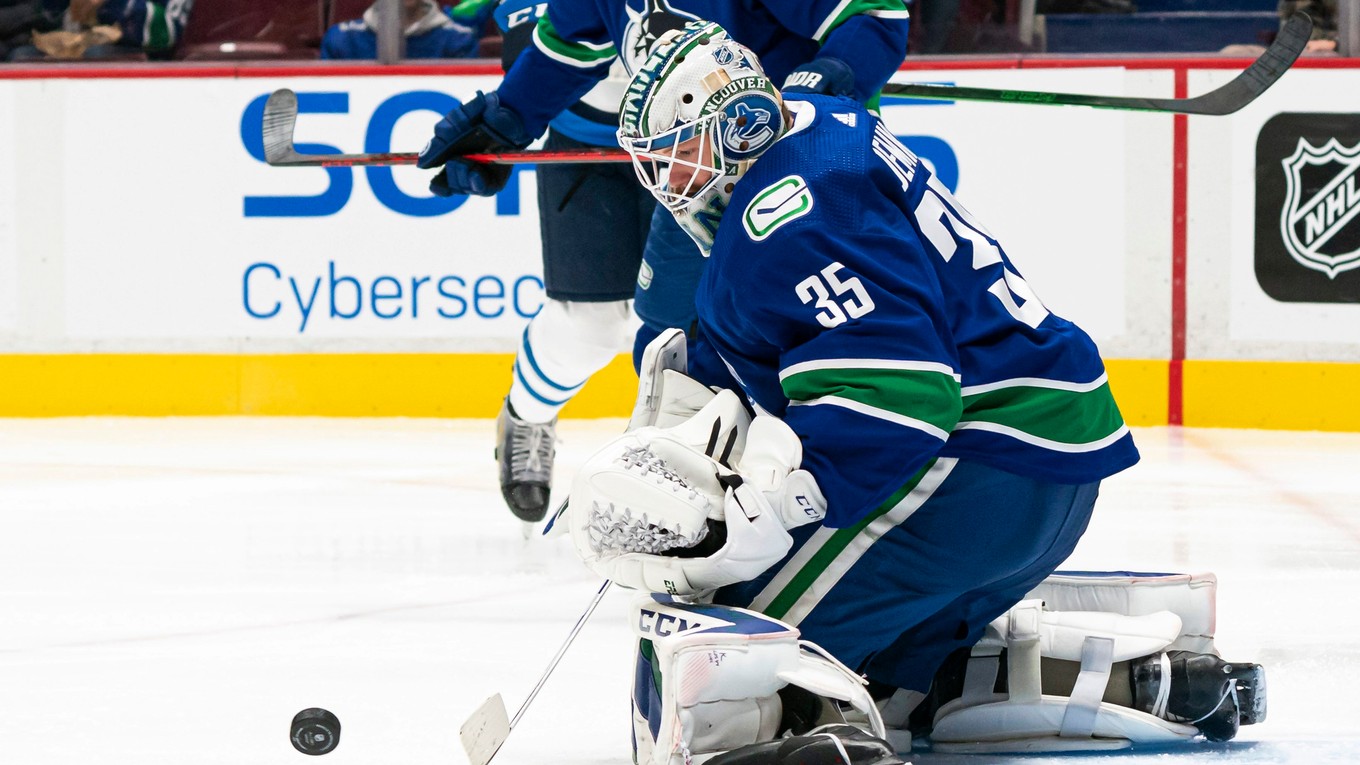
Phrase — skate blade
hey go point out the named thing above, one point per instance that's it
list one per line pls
(485, 731)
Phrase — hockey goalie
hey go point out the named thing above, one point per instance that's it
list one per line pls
(844, 495)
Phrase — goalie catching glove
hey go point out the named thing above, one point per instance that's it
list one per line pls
(655, 511)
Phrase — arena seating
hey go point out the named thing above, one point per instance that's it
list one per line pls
(344, 10)
(1164, 26)
(261, 29)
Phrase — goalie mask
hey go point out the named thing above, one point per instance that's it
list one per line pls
(695, 116)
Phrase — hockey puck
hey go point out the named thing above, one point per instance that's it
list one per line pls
(315, 731)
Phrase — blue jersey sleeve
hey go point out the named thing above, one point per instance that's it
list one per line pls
(571, 52)
(869, 36)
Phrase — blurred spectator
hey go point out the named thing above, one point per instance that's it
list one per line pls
(1086, 6)
(94, 29)
(937, 19)
(18, 20)
(1323, 14)
(431, 31)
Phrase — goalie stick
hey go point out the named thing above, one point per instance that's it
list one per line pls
(488, 727)
(1242, 90)
(280, 116)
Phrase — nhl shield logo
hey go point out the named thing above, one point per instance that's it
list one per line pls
(1320, 220)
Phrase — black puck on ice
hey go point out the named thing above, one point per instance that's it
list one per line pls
(315, 731)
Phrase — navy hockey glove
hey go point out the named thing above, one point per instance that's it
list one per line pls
(480, 125)
(824, 75)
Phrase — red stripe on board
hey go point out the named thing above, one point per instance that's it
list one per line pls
(1175, 401)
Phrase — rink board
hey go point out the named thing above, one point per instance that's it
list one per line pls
(154, 265)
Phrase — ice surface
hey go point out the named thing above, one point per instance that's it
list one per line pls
(175, 590)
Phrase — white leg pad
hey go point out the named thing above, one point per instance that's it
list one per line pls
(1189, 596)
(721, 670)
(1026, 720)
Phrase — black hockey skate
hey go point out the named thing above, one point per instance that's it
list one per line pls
(524, 452)
(827, 745)
(1213, 695)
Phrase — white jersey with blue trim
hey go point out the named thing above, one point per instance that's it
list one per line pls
(849, 293)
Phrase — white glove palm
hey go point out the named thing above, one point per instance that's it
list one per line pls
(756, 540)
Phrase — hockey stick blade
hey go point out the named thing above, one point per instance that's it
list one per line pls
(485, 731)
(1242, 90)
(280, 117)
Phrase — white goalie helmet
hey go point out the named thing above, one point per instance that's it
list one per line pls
(696, 114)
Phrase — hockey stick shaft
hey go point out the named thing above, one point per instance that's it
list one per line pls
(501, 158)
(486, 730)
(571, 637)
(1242, 90)
(280, 117)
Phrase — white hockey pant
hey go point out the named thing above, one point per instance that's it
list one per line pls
(564, 344)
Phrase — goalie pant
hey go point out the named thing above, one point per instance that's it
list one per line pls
(922, 576)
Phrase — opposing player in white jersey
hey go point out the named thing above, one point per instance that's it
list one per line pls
(847, 47)
(594, 220)
(927, 446)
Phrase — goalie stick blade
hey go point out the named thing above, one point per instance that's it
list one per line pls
(1242, 90)
(280, 117)
(485, 731)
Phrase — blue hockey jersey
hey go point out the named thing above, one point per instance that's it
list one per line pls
(849, 293)
(576, 40)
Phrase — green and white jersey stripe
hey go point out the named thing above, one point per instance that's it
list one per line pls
(826, 557)
(893, 9)
(577, 53)
(917, 394)
(1052, 414)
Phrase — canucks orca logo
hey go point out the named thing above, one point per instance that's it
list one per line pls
(1320, 222)
(747, 130)
(645, 25)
